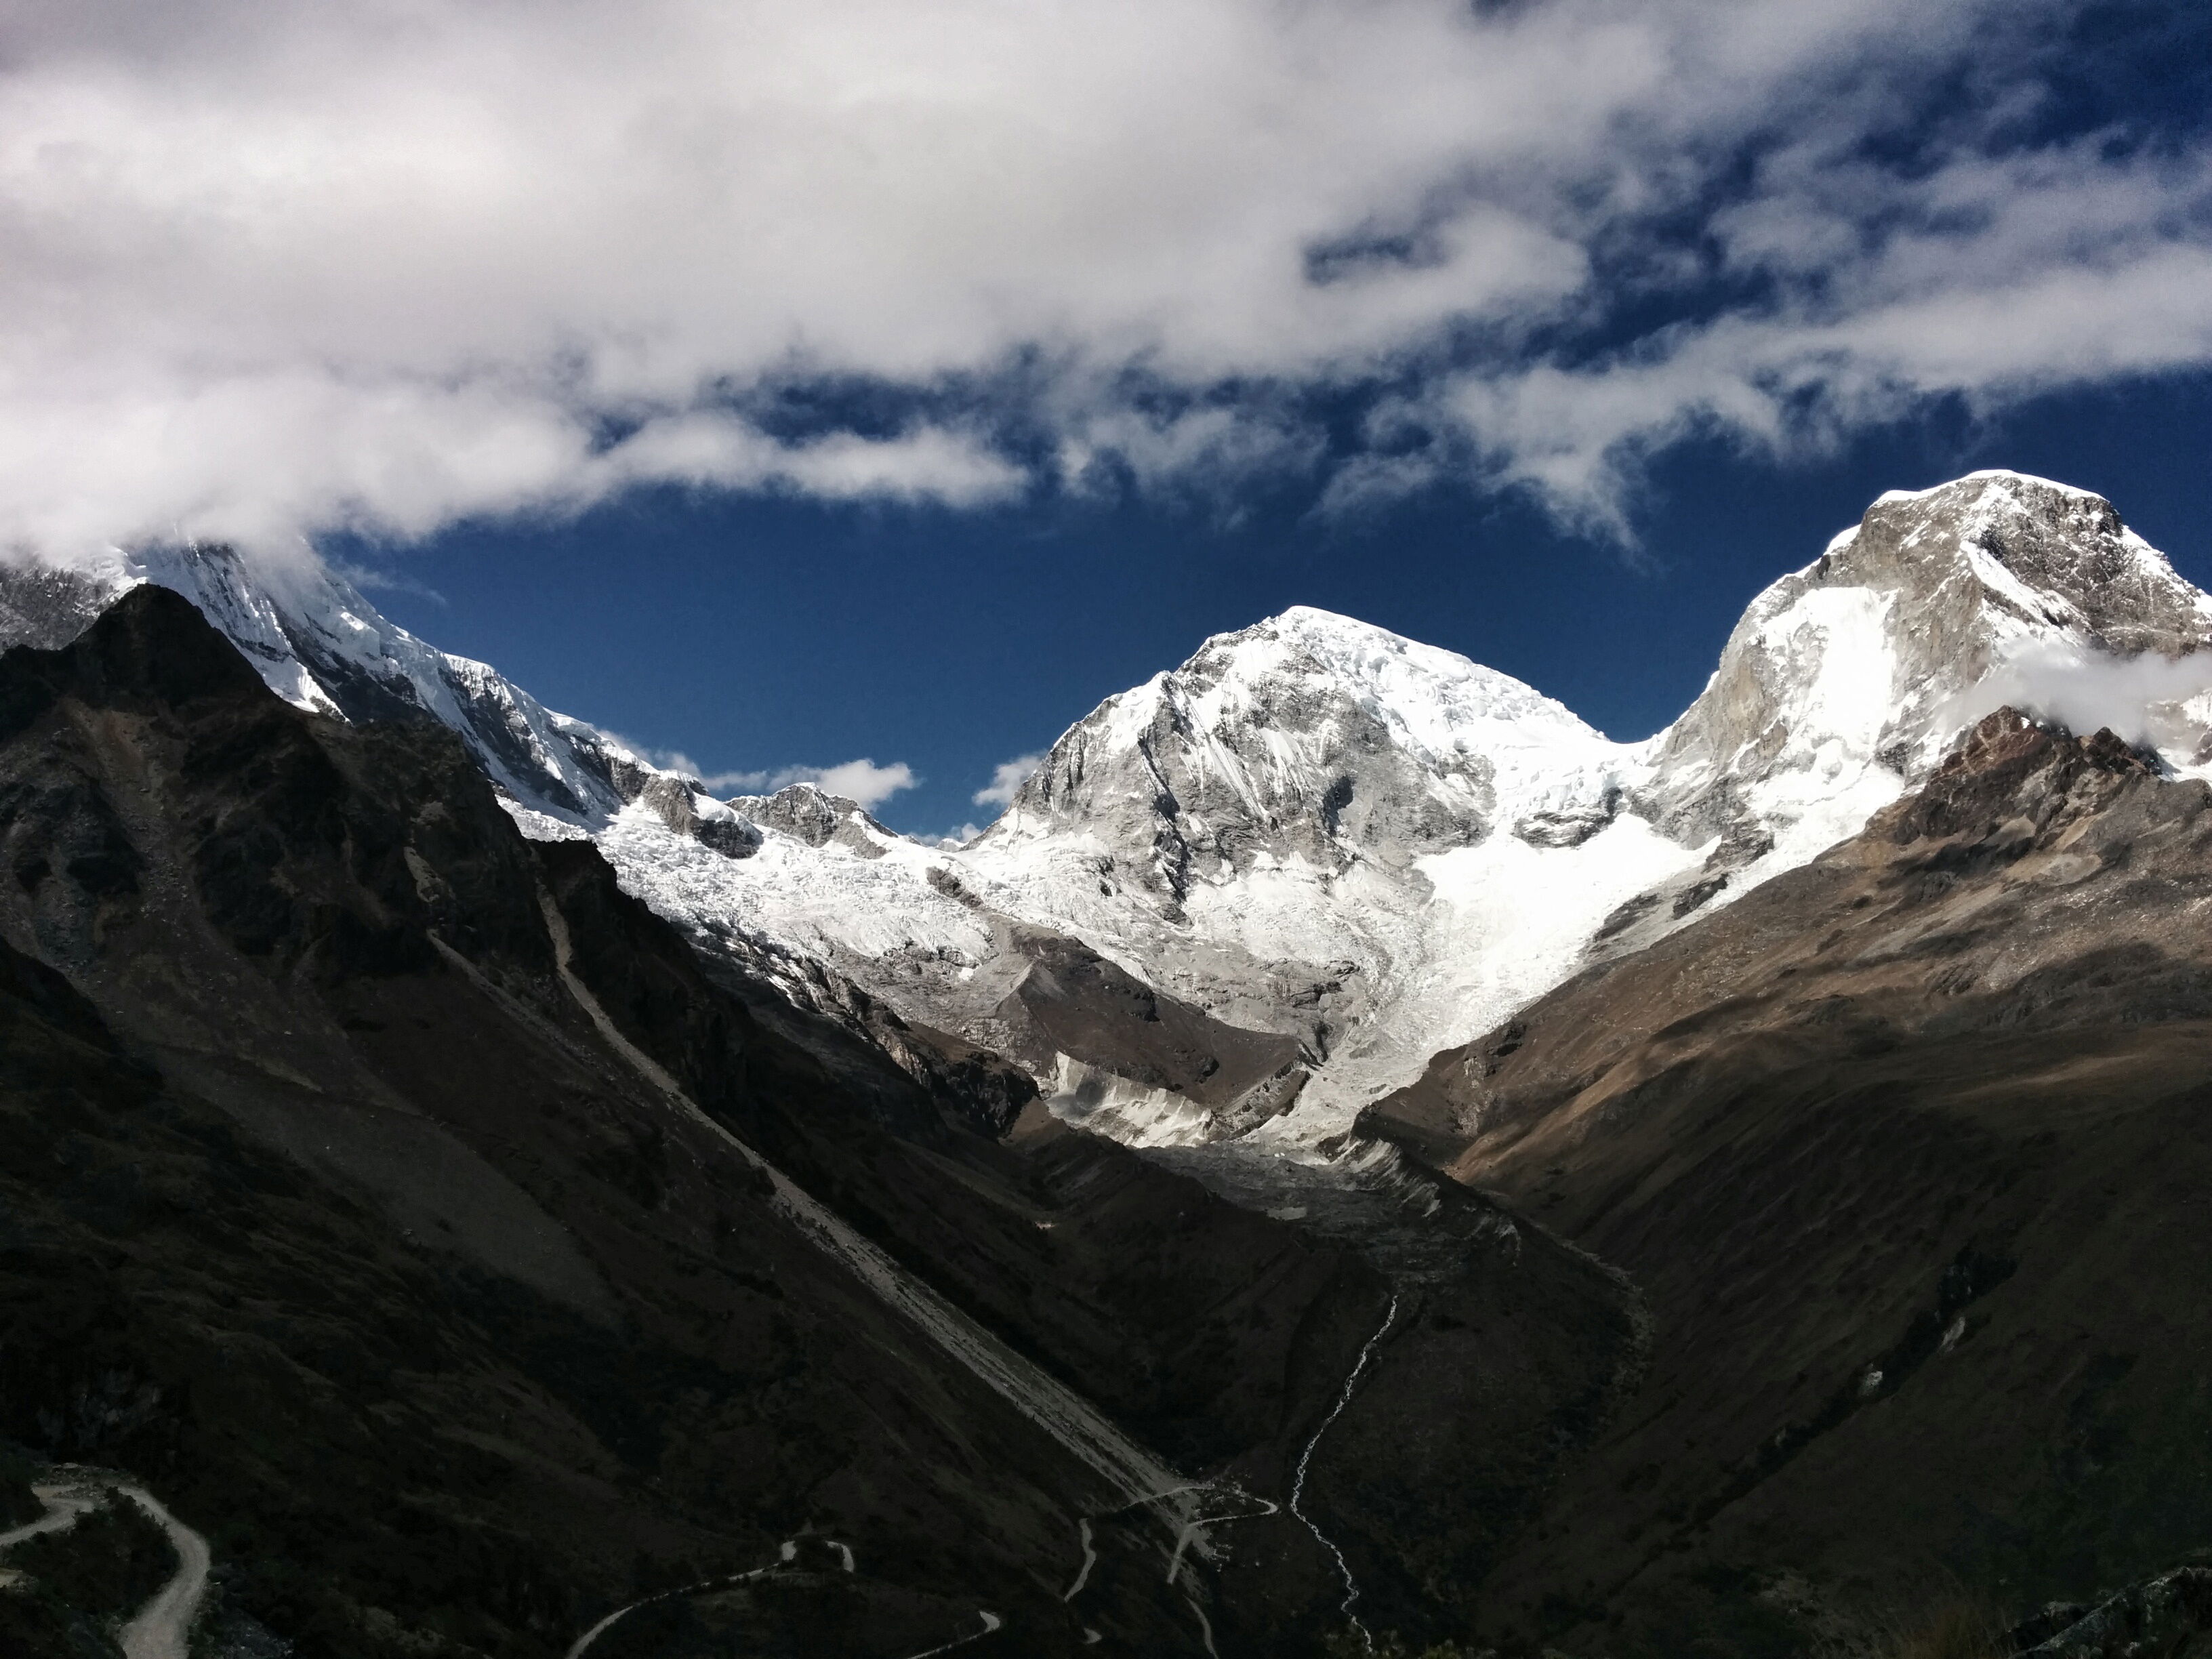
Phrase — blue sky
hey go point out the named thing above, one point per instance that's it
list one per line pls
(752, 635)
(789, 386)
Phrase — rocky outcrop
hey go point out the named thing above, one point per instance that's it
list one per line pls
(1072, 1001)
(43, 607)
(2169, 1617)
(812, 816)
(688, 810)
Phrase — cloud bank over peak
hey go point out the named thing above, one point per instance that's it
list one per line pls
(280, 269)
(2149, 701)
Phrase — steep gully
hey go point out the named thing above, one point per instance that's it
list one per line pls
(1131, 1473)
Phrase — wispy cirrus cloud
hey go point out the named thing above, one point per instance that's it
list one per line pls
(376, 579)
(278, 269)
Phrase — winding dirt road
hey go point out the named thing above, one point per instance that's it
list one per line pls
(991, 1622)
(162, 1628)
(64, 1502)
(785, 1554)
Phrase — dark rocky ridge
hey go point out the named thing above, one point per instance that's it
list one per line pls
(375, 1235)
(1906, 1150)
(310, 633)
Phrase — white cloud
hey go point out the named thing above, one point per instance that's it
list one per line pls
(861, 782)
(1006, 781)
(715, 448)
(274, 267)
(1991, 282)
(2147, 701)
(374, 580)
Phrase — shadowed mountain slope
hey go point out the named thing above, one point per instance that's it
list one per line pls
(1906, 1150)
(332, 1210)
(467, 1258)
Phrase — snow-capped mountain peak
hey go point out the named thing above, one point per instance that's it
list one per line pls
(1309, 738)
(1848, 679)
(1317, 838)
(1313, 791)
(320, 645)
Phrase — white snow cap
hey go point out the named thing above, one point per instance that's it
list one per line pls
(1988, 474)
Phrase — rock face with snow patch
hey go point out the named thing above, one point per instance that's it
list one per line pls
(810, 815)
(320, 646)
(44, 608)
(688, 810)
(1308, 738)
